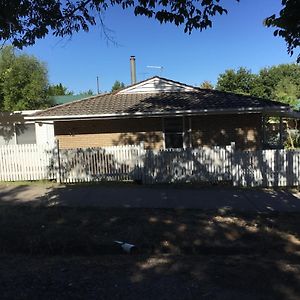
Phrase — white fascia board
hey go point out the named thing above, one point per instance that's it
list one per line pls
(281, 109)
(26, 112)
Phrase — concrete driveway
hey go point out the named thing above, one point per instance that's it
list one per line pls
(213, 198)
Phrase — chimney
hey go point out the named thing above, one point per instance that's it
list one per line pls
(132, 70)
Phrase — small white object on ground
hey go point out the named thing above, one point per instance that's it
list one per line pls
(128, 248)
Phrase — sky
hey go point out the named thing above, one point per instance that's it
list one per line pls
(237, 39)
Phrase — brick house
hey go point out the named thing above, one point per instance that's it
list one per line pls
(162, 113)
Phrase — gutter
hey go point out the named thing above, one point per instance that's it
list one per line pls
(266, 110)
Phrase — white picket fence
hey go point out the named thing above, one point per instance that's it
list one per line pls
(189, 165)
(26, 162)
(268, 168)
(119, 163)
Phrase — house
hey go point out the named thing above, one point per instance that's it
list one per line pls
(15, 130)
(162, 113)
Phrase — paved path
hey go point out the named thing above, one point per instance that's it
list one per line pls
(214, 198)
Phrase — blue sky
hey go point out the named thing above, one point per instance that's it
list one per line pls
(236, 39)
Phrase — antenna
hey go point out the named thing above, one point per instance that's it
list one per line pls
(98, 91)
(156, 67)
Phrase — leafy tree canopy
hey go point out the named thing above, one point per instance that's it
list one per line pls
(118, 85)
(23, 82)
(25, 21)
(287, 92)
(58, 90)
(241, 81)
(280, 83)
(206, 85)
(270, 77)
(287, 24)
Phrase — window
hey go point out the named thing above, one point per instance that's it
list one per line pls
(173, 128)
(7, 135)
(25, 134)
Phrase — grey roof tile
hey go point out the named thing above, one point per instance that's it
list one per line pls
(158, 103)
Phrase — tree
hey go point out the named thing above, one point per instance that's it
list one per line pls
(269, 78)
(25, 21)
(118, 85)
(287, 24)
(89, 92)
(241, 81)
(270, 83)
(287, 92)
(23, 82)
(281, 83)
(207, 85)
(58, 90)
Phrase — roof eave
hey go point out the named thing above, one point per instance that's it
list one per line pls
(265, 110)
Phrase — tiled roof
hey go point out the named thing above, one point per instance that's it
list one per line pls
(159, 103)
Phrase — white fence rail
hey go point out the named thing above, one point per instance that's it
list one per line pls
(243, 168)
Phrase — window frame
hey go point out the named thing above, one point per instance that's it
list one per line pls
(185, 131)
(16, 136)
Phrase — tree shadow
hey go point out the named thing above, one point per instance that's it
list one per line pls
(150, 140)
(7, 126)
(138, 164)
(218, 165)
(95, 164)
(187, 166)
(267, 168)
(185, 253)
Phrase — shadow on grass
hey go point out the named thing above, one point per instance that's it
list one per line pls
(233, 254)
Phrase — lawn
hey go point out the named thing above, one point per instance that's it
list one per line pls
(62, 252)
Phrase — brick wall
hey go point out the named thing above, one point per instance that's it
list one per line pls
(104, 133)
(244, 130)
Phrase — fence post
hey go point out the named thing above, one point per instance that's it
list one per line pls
(58, 166)
(233, 169)
(141, 159)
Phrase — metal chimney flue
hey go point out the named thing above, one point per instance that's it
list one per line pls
(132, 70)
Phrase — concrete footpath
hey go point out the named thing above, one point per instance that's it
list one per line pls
(136, 196)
